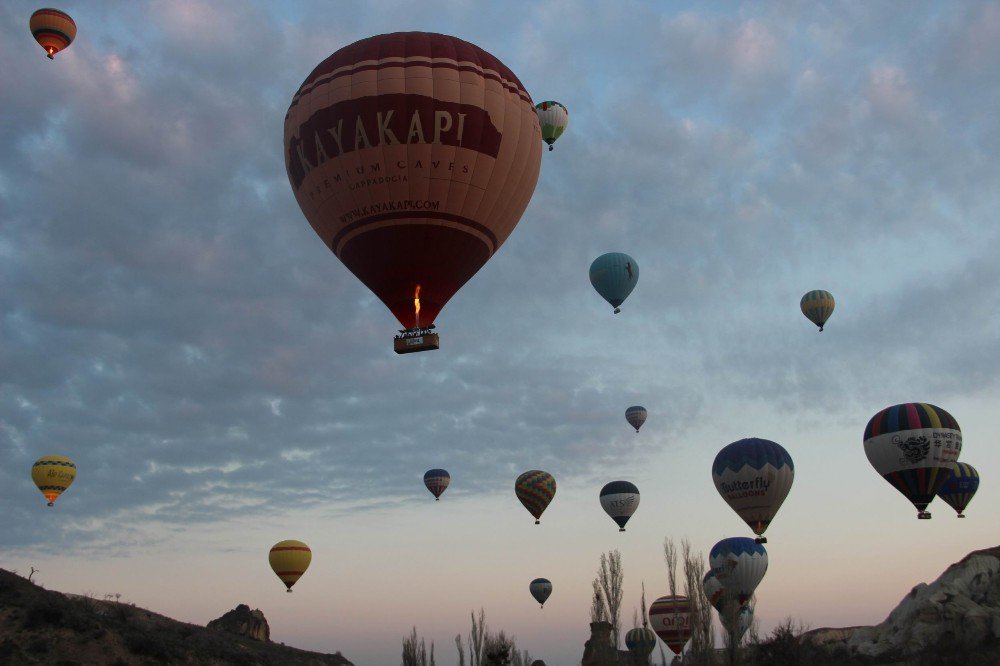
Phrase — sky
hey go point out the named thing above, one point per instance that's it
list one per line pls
(169, 320)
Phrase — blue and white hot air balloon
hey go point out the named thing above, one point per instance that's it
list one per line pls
(614, 276)
(739, 564)
(958, 490)
(754, 476)
(620, 499)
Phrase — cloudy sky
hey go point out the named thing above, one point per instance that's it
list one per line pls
(169, 320)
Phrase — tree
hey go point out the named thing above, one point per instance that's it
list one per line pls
(607, 601)
(702, 644)
(415, 653)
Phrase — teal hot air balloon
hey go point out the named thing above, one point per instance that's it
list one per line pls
(614, 276)
(958, 490)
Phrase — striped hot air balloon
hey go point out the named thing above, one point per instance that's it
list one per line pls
(817, 306)
(958, 490)
(289, 559)
(437, 481)
(535, 489)
(54, 30)
(540, 589)
(754, 476)
(53, 475)
(614, 276)
(620, 499)
(728, 608)
(641, 641)
(740, 564)
(553, 117)
(636, 416)
(670, 618)
(912, 446)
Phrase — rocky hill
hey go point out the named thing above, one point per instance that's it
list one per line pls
(39, 626)
(954, 620)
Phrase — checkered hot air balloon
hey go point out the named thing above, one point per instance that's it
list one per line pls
(437, 481)
(958, 490)
(912, 446)
(535, 489)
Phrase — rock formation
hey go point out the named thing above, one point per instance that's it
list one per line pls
(959, 613)
(244, 622)
(599, 650)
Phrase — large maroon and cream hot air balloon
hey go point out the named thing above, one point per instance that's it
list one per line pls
(413, 156)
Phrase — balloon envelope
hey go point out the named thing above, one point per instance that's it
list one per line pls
(289, 559)
(670, 618)
(754, 476)
(53, 475)
(535, 489)
(620, 499)
(553, 118)
(540, 589)
(912, 446)
(636, 416)
(614, 276)
(958, 490)
(740, 564)
(437, 481)
(413, 156)
(52, 29)
(817, 306)
(640, 641)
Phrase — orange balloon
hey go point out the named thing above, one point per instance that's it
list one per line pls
(52, 29)
(413, 156)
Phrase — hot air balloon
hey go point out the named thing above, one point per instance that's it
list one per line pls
(53, 475)
(912, 446)
(670, 618)
(958, 490)
(754, 476)
(53, 30)
(728, 608)
(740, 564)
(817, 306)
(535, 489)
(289, 560)
(620, 499)
(640, 641)
(614, 276)
(636, 416)
(413, 156)
(553, 117)
(437, 481)
(540, 589)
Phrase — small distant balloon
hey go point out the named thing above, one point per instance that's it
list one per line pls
(620, 499)
(958, 490)
(740, 564)
(912, 446)
(289, 560)
(437, 481)
(640, 641)
(553, 117)
(754, 476)
(670, 618)
(614, 276)
(535, 489)
(53, 30)
(53, 475)
(817, 306)
(540, 589)
(636, 416)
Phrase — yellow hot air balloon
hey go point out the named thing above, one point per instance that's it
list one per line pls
(289, 559)
(817, 305)
(53, 475)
